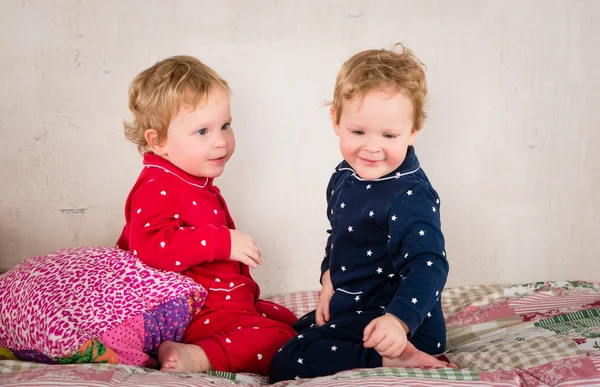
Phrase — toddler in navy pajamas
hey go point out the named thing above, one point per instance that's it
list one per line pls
(385, 263)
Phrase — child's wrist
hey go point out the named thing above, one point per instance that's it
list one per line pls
(404, 326)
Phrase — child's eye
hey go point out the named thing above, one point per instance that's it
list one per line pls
(226, 126)
(358, 132)
(389, 136)
(202, 131)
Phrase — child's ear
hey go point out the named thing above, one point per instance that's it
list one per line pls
(155, 143)
(413, 137)
(334, 122)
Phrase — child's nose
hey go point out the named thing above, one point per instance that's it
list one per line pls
(220, 141)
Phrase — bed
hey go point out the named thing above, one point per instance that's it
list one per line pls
(538, 334)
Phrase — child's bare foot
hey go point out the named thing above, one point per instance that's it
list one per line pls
(412, 357)
(180, 357)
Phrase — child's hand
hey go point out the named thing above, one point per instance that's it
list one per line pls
(244, 249)
(322, 313)
(387, 334)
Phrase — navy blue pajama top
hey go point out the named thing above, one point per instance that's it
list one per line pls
(386, 247)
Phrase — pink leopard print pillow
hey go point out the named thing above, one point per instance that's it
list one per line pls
(93, 304)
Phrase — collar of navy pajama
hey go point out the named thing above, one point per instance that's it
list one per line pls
(153, 161)
(409, 166)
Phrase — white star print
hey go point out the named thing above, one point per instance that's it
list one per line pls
(444, 253)
(394, 218)
(389, 236)
(437, 292)
(429, 263)
(371, 213)
(414, 301)
(334, 348)
(379, 270)
(332, 212)
(343, 268)
(300, 361)
(332, 192)
(300, 337)
(429, 314)
(343, 205)
(296, 377)
(332, 326)
(359, 311)
(357, 298)
(421, 233)
(391, 275)
(280, 349)
(433, 209)
(406, 255)
(439, 345)
(409, 192)
(437, 201)
(350, 229)
(397, 175)
(134, 252)
(369, 186)
(369, 253)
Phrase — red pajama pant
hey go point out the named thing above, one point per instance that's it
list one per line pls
(237, 333)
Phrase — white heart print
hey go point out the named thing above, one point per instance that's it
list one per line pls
(227, 340)
(259, 356)
(228, 297)
(203, 243)
(177, 263)
(206, 321)
(163, 193)
(162, 244)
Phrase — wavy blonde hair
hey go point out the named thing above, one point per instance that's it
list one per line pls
(157, 93)
(378, 69)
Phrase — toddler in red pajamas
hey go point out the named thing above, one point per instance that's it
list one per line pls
(176, 219)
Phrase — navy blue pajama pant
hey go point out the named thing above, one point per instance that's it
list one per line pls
(338, 345)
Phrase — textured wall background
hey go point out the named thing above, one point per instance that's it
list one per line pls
(511, 143)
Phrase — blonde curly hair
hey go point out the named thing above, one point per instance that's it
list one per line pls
(157, 93)
(376, 69)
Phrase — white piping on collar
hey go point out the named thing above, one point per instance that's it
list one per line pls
(174, 174)
(396, 176)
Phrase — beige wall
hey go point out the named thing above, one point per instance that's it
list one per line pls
(511, 143)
